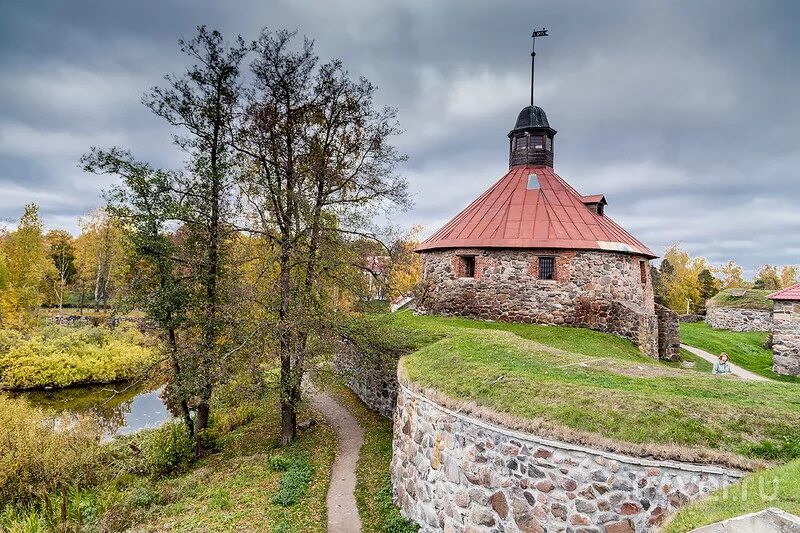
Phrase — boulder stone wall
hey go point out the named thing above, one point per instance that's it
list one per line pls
(786, 338)
(669, 337)
(734, 319)
(455, 473)
(372, 377)
(605, 291)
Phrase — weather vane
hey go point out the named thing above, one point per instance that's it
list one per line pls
(536, 33)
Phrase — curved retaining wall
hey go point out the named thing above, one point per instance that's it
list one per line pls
(734, 319)
(456, 473)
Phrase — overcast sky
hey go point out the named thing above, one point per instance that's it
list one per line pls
(686, 115)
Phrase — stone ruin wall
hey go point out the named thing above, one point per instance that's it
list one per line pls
(734, 319)
(594, 289)
(372, 378)
(458, 474)
(669, 337)
(786, 337)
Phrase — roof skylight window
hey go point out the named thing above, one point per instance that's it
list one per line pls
(533, 181)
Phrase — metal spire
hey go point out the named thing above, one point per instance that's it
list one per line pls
(536, 33)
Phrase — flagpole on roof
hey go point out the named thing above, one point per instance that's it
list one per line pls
(536, 33)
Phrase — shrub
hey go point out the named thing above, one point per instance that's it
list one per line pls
(36, 459)
(294, 482)
(154, 452)
(59, 356)
(143, 495)
(283, 527)
(280, 463)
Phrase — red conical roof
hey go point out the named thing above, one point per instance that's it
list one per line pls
(532, 207)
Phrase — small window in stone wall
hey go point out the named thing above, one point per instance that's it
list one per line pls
(547, 268)
(467, 266)
(643, 271)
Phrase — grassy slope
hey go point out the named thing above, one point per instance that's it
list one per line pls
(373, 485)
(776, 487)
(752, 299)
(745, 349)
(232, 490)
(616, 393)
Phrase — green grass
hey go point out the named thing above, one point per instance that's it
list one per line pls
(745, 349)
(600, 388)
(373, 485)
(237, 488)
(752, 299)
(776, 487)
(576, 340)
(700, 364)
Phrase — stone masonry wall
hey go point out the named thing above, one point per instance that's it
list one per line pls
(599, 290)
(458, 474)
(669, 339)
(786, 337)
(372, 378)
(734, 319)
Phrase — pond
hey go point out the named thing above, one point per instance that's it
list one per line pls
(120, 408)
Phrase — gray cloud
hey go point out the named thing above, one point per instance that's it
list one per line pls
(683, 114)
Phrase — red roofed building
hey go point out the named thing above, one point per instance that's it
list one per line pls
(533, 249)
(786, 331)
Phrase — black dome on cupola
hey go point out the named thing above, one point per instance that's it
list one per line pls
(532, 116)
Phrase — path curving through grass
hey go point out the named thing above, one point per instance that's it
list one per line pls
(735, 370)
(343, 514)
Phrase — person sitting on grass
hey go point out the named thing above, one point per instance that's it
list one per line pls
(722, 366)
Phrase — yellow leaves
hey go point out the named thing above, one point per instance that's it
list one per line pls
(681, 286)
(59, 357)
(24, 261)
(35, 459)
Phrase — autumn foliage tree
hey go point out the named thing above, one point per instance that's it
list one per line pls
(731, 275)
(768, 278)
(61, 270)
(24, 264)
(316, 163)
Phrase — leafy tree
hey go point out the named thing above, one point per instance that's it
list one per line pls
(404, 266)
(666, 269)
(731, 275)
(708, 284)
(768, 278)
(317, 163)
(191, 266)
(62, 255)
(680, 279)
(25, 263)
(659, 292)
(788, 275)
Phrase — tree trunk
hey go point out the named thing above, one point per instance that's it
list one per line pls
(176, 368)
(97, 286)
(288, 407)
(200, 424)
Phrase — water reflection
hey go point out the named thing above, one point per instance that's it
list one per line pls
(120, 409)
